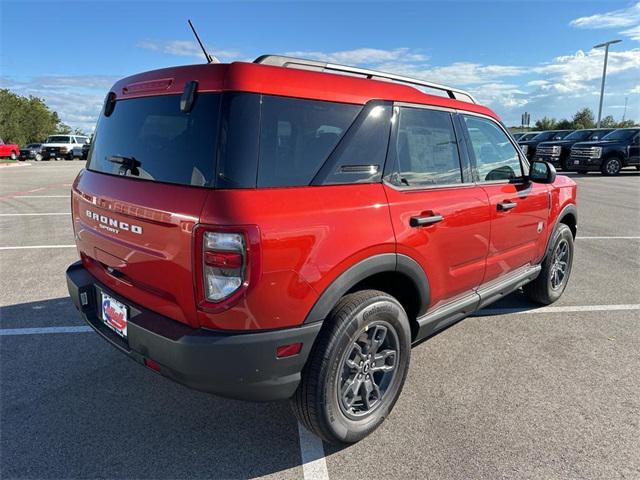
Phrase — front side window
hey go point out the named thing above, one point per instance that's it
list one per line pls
(297, 136)
(495, 157)
(425, 148)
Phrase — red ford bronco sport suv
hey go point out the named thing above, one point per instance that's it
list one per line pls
(289, 228)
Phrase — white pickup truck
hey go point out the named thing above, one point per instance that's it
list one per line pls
(63, 146)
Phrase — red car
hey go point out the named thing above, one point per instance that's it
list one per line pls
(10, 150)
(289, 228)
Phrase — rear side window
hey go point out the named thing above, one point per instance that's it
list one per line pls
(426, 149)
(150, 138)
(495, 156)
(297, 136)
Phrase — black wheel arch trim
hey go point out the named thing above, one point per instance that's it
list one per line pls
(385, 262)
(570, 209)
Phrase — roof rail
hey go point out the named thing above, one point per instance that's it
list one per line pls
(314, 65)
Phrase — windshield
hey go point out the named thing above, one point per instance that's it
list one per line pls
(579, 135)
(528, 136)
(152, 139)
(621, 134)
(58, 139)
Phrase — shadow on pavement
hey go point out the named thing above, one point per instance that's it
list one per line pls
(72, 406)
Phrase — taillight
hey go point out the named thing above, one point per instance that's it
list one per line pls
(224, 256)
(227, 263)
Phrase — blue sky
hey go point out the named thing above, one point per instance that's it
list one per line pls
(515, 56)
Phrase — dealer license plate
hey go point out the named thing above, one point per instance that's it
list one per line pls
(114, 315)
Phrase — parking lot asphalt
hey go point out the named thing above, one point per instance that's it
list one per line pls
(513, 392)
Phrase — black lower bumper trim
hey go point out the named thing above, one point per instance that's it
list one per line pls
(235, 365)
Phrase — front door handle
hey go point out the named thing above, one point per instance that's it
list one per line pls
(506, 205)
(426, 220)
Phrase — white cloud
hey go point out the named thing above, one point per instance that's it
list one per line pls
(633, 33)
(625, 17)
(575, 73)
(359, 56)
(635, 89)
(185, 48)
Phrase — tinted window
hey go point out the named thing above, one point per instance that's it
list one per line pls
(425, 148)
(622, 134)
(239, 133)
(360, 155)
(58, 139)
(496, 158)
(297, 136)
(151, 139)
(579, 135)
(598, 134)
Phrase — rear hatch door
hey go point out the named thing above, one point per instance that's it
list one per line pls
(149, 171)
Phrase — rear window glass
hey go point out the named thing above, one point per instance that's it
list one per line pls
(297, 136)
(151, 139)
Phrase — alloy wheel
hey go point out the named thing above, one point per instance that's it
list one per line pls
(560, 264)
(613, 166)
(368, 370)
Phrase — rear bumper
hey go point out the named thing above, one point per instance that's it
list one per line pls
(235, 365)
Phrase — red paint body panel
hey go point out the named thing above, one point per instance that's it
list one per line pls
(515, 238)
(309, 235)
(452, 252)
(156, 267)
(7, 148)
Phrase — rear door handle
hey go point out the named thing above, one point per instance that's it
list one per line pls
(423, 221)
(504, 206)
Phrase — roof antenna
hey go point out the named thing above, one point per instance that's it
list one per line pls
(210, 58)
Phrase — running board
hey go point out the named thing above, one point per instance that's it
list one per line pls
(455, 310)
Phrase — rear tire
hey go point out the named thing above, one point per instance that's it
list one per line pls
(13, 155)
(356, 369)
(611, 166)
(556, 269)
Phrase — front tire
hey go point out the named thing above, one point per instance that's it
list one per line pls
(356, 369)
(13, 155)
(611, 166)
(556, 269)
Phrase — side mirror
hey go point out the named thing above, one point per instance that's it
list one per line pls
(542, 172)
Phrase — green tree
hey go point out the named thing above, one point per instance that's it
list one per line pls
(584, 119)
(626, 124)
(545, 123)
(564, 124)
(608, 122)
(26, 119)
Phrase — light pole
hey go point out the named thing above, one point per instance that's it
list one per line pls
(604, 73)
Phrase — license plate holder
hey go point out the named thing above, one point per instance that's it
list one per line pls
(114, 314)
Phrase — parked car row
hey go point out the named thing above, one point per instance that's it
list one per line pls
(56, 147)
(606, 150)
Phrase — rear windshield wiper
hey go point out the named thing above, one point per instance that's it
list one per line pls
(126, 163)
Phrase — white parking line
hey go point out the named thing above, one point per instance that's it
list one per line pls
(41, 330)
(314, 465)
(29, 247)
(567, 309)
(31, 214)
(607, 238)
(41, 196)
